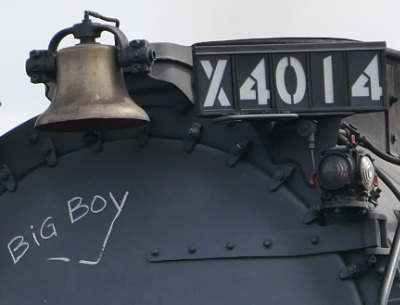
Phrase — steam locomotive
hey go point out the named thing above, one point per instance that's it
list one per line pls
(259, 171)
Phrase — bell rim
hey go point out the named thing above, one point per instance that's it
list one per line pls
(90, 124)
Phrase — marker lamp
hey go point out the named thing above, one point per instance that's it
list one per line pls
(334, 172)
(367, 172)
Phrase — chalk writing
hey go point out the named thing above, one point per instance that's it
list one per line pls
(118, 206)
(77, 208)
(18, 246)
(21, 247)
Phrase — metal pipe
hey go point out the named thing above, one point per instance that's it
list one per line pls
(385, 178)
(390, 270)
(394, 256)
(364, 141)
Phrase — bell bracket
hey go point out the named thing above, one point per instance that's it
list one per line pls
(137, 54)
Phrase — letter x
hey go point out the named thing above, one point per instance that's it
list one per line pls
(215, 85)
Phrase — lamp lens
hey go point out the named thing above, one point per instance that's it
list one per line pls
(367, 172)
(334, 172)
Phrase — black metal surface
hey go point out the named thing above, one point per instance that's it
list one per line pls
(186, 211)
(280, 175)
(393, 129)
(172, 196)
(277, 40)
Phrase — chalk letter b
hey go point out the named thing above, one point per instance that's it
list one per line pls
(21, 244)
(80, 210)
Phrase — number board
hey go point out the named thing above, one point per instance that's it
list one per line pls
(298, 78)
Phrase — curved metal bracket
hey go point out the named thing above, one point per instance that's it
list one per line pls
(87, 32)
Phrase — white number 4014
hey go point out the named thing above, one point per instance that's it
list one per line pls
(366, 85)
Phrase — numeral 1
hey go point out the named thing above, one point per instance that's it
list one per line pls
(328, 80)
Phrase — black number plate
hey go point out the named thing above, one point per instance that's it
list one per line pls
(295, 78)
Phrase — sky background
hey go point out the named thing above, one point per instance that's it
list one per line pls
(28, 25)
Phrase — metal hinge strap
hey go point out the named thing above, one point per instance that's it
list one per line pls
(309, 241)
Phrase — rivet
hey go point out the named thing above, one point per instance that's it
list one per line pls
(34, 138)
(35, 78)
(267, 244)
(315, 209)
(230, 246)
(352, 268)
(279, 175)
(192, 249)
(155, 252)
(35, 53)
(314, 240)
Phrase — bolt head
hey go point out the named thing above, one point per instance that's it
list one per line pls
(192, 249)
(315, 209)
(155, 252)
(35, 78)
(279, 175)
(314, 240)
(230, 246)
(352, 268)
(34, 138)
(268, 244)
(35, 53)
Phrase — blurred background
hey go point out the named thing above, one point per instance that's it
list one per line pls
(28, 25)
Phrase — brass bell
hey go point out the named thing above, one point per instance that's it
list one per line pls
(90, 92)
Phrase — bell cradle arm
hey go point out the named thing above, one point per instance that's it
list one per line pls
(41, 65)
